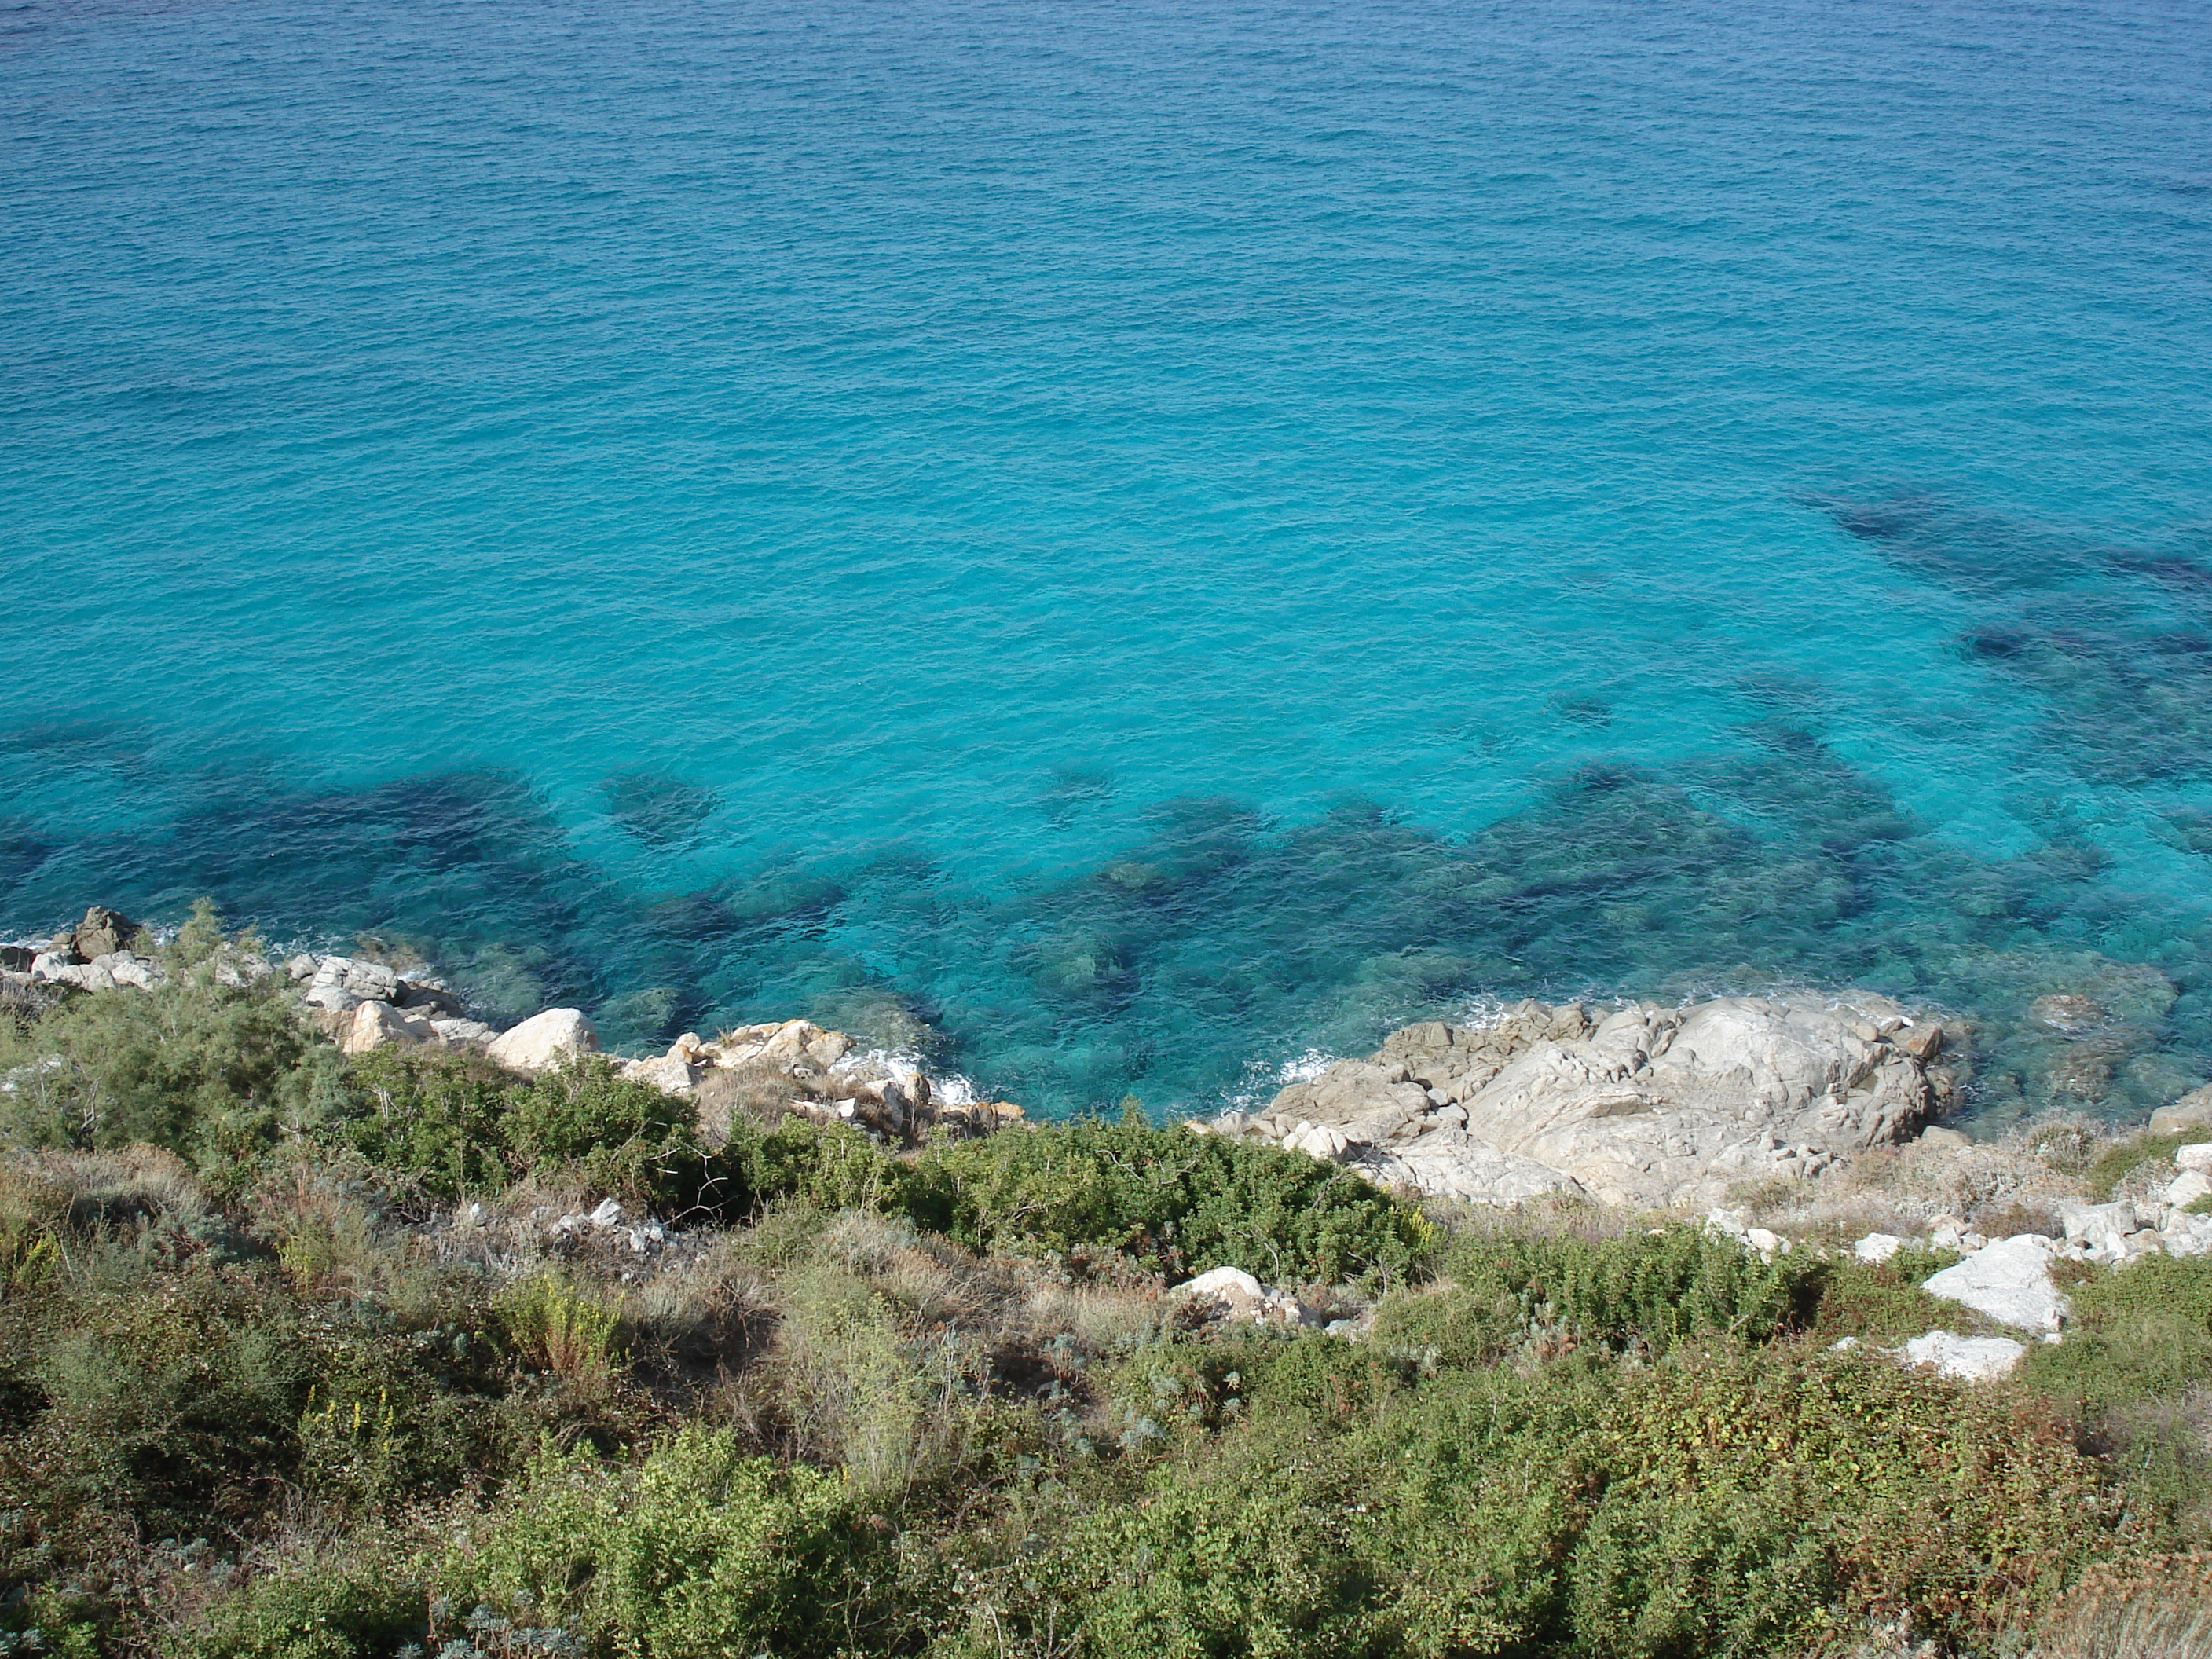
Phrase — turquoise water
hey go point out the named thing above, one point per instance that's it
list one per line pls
(1127, 541)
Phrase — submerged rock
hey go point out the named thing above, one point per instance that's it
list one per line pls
(1645, 1106)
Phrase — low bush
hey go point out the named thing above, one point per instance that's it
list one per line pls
(1178, 1203)
(560, 1327)
(696, 1550)
(1544, 1295)
(434, 1120)
(365, 1597)
(2143, 1331)
(199, 1065)
(1728, 1503)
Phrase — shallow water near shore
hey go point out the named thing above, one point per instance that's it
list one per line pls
(1132, 545)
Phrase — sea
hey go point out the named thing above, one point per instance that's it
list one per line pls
(1129, 545)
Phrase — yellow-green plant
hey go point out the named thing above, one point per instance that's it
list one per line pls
(559, 1327)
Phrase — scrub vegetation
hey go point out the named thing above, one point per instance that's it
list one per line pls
(304, 1356)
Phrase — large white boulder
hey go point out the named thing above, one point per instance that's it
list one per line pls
(1646, 1106)
(380, 1025)
(1969, 1358)
(544, 1040)
(1233, 1282)
(2008, 1280)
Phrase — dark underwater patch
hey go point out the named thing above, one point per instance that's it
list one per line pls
(1591, 714)
(659, 811)
(1069, 792)
(1217, 938)
(2116, 640)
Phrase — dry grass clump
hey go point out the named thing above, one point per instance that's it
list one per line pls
(2155, 1608)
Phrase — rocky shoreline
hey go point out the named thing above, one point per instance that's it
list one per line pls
(1643, 1106)
(1716, 1107)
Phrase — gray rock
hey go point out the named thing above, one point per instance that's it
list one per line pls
(104, 932)
(1648, 1106)
(142, 973)
(546, 1040)
(1969, 1358)
(2193, 1110)
(2098, 1225)
(430, 1000)
(2009, 1281)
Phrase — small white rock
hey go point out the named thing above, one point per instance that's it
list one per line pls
(2187, 1188)
(2196, 1157)
(1970, 1358)
(1223, 1281)
(1877, 1247)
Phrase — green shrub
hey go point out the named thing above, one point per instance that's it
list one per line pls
(827, 1167)
(697, 1551)
(620, 1136)
(1882, 1301)
(2139, 1331)
(1178, 1202)
(1733, 1503)
(176, 1408)
(434, 1120)
(1250, 1554)
(212, 1070)
(363, 1599)
(561, 1327)
(395, 1416)
(1506, 1293)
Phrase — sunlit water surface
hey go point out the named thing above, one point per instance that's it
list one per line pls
(1129, 543)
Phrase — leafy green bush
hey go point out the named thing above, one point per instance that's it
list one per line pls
(698, 1550)
(1882, 1301)
(363, 1599)
(396, 1417)
(621, 1136)
(1178, 1202)
(433, 1119)
(1732, 1502)
(175, 1409)
(1506, 1292)
(2142, 1330)
(196, 1065)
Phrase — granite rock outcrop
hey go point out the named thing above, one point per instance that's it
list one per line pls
(1645, 1106)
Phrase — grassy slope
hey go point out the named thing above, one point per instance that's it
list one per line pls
(292, 1363)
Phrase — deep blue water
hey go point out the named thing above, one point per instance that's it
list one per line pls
(1135, 540)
